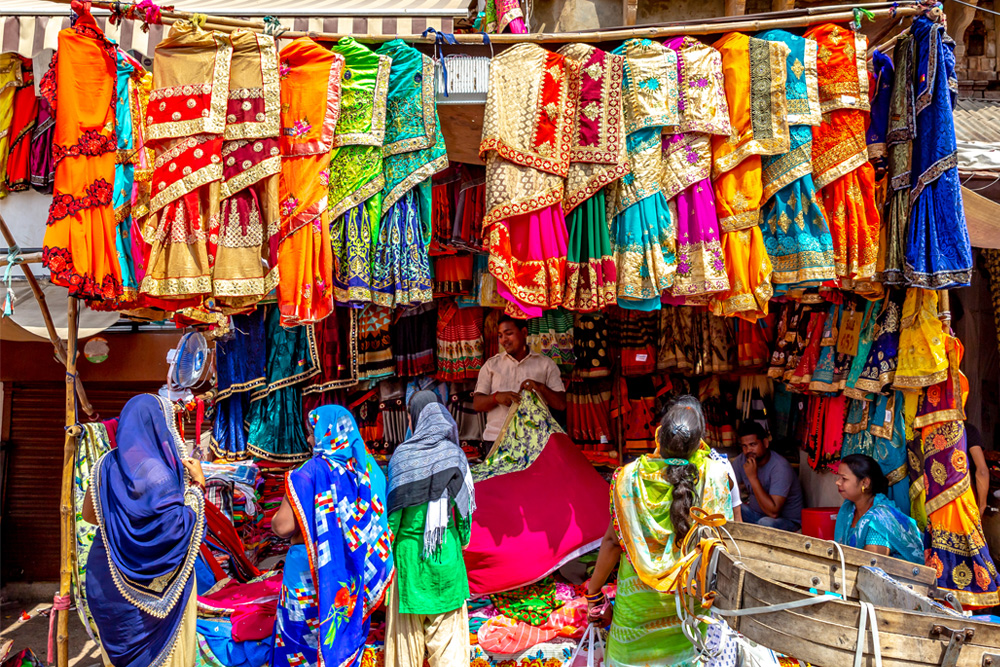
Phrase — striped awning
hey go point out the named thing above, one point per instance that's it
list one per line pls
(28, 27)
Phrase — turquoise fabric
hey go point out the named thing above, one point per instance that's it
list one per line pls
(882, 525)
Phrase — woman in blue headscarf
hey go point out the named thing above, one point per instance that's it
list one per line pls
(150, 513)
(340, 562)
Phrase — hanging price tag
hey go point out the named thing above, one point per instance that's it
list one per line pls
(850, 333)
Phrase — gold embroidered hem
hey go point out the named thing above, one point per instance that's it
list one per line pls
(789, 269)
(841, 66)
(790, 167)
(532, 282)
(513, 189)
(739, 195)
(749, 270)
(580, 294)
(586, 180)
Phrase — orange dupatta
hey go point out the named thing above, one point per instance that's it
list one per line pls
(310, 106)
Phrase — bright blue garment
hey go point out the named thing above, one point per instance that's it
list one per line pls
(124, 178)
(938, 254)
(794, 225)
(401, 272)
(140, 567)
(240, 367)
(339, 501)
(882, 525)
(877, 429)
(879, 117)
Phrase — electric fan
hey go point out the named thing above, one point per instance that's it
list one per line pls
(189, 364)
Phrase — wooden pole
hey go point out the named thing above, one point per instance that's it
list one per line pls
(50, 327)
(29, 258)
(753, 23)
(67, 543)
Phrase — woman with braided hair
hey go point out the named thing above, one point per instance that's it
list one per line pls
(651, 500)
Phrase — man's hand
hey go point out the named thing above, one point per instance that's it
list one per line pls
(506, 398)
(529, 384)
(750, 468)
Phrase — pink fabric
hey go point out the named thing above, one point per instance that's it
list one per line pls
(537, 255)
(505, 635)
(528, 523)
(250, 607)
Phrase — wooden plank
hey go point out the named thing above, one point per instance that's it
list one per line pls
(462, 126)
(736, 7)
(629, 10)
(887, 592)
(779, 542)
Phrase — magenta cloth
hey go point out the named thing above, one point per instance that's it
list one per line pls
(699, 252)
(250, 607)
(536, 255)
(111, 426)
(529, 523)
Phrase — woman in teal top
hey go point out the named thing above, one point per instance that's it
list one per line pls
(868, 519)
(431, 500)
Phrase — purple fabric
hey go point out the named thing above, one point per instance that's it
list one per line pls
(699, 253)
(41, 166)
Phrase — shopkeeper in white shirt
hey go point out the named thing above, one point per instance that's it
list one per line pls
(504, 375)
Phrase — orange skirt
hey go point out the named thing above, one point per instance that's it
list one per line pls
(749, 270)
(850, 203)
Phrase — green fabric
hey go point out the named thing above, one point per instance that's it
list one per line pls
(435, 585)
(519, 444)
(414, 145)
(588, 231)
(531, 604)
(356, 161)
(645, 631)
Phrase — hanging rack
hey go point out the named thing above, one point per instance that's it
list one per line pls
(794, 18)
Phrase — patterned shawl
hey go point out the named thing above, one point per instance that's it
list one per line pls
(350, 555)
(702, 106)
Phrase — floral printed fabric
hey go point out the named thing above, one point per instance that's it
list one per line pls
(92, 444)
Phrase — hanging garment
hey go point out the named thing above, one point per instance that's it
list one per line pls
(825, 434)
(590, 346)
(923, 359)
(414, 341)
(794, 223)
(337, 344)
(414, 151)
(356, 169)
(878, 430)
(241, 370)
(470, 207)
(191, 76)
(375, 359)
(41, 165)
(239, 242)
(551, 335)
(23, 117)
(527, 132)
(687, 166)
(643, 231)
(938, 254)
(634, 335)
(459, 342)
(275, 431)
(310, 78)
(11, 81)
(956, 545)
(840, 155)
(902, 126)
(880, 89)
(79, 245)
(866, 336)
(755, 81)
(503, 14)
(880, 367)
(597, 158)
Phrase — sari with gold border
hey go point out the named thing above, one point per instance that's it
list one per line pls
(840, 154)
(755, 80)
(597, 158)
(356, 169)
(642, 227)
(527, 132)
(186, 119)
(17, 174)
(310, 104)
(11, 80)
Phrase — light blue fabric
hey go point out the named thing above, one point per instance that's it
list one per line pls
(216, 647)
(882, 525)
(124, 178)
(889, 453)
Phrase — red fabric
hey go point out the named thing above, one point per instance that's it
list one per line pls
(251, 607)
(223, 532)
(528, 523)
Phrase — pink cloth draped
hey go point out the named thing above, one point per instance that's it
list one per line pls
(505, 635)
(250, 607)
(533, 246)
(529, 523)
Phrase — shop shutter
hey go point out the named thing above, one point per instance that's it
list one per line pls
(29, 529)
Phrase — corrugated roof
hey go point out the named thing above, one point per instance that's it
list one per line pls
(978, 120)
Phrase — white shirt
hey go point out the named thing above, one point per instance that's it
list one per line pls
(503, 372)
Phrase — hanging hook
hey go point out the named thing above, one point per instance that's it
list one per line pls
(441, 38)
(273, 27)
(487, 42)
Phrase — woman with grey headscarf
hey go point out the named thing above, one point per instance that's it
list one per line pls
(431, 500)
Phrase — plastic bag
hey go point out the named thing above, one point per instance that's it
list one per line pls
(590, 651)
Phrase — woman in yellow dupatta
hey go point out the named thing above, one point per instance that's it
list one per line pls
(755, 78)
(310, 104)
(652, 498)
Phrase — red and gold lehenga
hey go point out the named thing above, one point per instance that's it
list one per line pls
(840, 154)
(186, 119)
(22, 122)
(79, 246)
(527, 133)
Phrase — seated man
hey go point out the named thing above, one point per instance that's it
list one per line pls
(774, 495)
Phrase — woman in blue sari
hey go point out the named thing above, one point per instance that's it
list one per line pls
(868, 519)
(339, 567)
(150, 513)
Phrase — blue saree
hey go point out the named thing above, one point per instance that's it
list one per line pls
(124, 178)
(882, 525)
(151, 523)
(335, 580)
(938, 254)
(794, 225)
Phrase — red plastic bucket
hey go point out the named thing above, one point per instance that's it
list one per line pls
(819, 522)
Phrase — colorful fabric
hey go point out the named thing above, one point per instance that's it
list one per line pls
(11, 80)
(275, 429)
(956, 547)
(22, 122)
(881, 94)
(140, 586)
(825, 417)
(878, 430)
(505, 636)
(902, 126)
(241, 368)
(508, 549)
(375, 358)
(337, 345)
(92, 444)
(527, 132)
(551, 335)
(883, 525)
(843, 74)
(590, 347)
(750, 271)
(530, 604)
(349, 566)
(880, 367)
(923, 359)
(79, 245)
(521, 440)
(41, 164)
(701, 88)
(414, 341)
(356, 169)
(459, 342)
(239, 241)
(502, 14)
(938, 254)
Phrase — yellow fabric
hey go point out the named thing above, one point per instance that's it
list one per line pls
(442, 638)
(749, 270)
(10, 79)
(923, 359)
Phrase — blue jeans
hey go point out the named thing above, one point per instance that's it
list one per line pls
(761, 519)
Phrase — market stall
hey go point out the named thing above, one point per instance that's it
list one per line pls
(754, 216)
